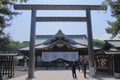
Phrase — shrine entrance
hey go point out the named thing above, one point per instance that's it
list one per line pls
(35, 19)
(57, 60)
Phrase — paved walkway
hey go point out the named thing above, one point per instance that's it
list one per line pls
(59, 75)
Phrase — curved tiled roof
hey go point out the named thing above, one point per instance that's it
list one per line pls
(59, 35)
(75, 41)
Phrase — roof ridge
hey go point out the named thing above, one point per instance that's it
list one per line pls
(59, 35)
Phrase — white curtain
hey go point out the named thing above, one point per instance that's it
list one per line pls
(51, 56)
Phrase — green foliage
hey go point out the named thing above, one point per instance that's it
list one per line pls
(4, 41)
(98, 42)
(13, 45)
(6, 15)
(114, 28)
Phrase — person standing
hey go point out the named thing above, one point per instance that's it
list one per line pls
(84, 68)
(73, 65)
(78, 65)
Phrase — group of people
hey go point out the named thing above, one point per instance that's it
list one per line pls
(82, 65)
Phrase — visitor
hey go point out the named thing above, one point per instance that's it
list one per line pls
(73, 65)
(77, 65)
(84, 67)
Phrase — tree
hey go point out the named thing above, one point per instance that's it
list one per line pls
(6, 15)
(13, 1)
(98, 42)
(114, 27)
(13, 45)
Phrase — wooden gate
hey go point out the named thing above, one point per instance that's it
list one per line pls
(104, 63)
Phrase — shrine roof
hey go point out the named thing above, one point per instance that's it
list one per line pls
(76, 41)
(115, 43)
(71, 38)
(110, 47)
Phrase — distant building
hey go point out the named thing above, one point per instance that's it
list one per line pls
(108, 58)
(53, 50)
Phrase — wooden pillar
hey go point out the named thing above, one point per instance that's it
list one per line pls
(90, 43)
(32, 44)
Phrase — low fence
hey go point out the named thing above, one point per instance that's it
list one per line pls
(7, 61)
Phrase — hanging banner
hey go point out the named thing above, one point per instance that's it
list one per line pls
(51, 56)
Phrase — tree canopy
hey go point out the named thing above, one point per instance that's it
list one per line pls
(114, 26)
(6, 15)
(13, 45)
(98, 42)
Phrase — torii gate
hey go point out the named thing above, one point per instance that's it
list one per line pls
(35, 19)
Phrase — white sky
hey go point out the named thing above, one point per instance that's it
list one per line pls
(20, 28)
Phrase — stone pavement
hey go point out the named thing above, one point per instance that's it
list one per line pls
(60, 75)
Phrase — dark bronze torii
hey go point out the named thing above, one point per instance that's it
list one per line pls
(35, 19)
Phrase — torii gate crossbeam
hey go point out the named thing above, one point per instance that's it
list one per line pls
(35, 19)
(63, 19)
(57, 7)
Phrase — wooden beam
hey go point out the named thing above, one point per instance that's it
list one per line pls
(63, 19)
(56, 7)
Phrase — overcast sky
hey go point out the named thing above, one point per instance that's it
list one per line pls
(20, 28)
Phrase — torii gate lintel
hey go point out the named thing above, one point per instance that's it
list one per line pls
(57, 7)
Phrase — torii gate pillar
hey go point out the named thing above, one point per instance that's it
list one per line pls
(32, 44)
(90, 44)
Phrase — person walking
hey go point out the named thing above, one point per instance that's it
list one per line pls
(78, 65)
(73, 65)
(84, 68)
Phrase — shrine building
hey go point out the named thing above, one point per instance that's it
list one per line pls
(54, 50)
